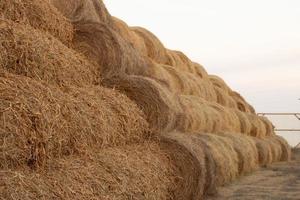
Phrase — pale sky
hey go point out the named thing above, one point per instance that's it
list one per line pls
(253, 45)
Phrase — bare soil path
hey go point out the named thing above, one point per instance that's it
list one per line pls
(280, 181)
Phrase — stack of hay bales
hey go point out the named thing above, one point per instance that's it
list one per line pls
(94, 109)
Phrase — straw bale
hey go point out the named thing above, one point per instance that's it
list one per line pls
(224, 155)
(190, 165)
(246, 151)
(241, 103)
(265, 156)
(269, 127)
(155, 49)
(197, 115)
(229, 118)
(219, 82)
(40, 14)
(258, 128)
(124, 30)
(158, 104)
(137, 172)
(224, 99)
(39, 122)
(29, 52)
(200, 71)
(189, 84)
(285, 148)
(106, 47)
(180, 61)
(245, 123)
(83, 10)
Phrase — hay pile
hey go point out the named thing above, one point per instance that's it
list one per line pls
(32, 53)
(39, 122)
(91, 108)
(39, 14)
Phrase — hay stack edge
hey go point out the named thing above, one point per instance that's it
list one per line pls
(91, 108)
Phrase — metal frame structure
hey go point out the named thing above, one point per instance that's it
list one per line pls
(297, 115)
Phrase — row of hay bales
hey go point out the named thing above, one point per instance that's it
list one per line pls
(68, 132)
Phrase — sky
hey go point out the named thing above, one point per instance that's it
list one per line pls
(253, 45)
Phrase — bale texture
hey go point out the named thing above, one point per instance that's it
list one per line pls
(29, 52)
(246, 150)
(83, 10)
(100, 43)
(38, 123)
(137, 172)
(190, 166)
(40, 14)
(155, 49)
(157, 102)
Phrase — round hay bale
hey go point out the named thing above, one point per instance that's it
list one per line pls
(224, 99)
(155, 49)
(190, 165)
(26, 51)
(224, 155)
(268, 126)
(265, 156)
(186, 83)
(285, 148)
(179, 61)
(245, 124)
(246, 151)
(40, 14)
(122, 28)
(39, 122)
(200, 71)
(131, 172)
(83, 10)
(242, 105)
(158, 104)
(197, 116)
(106, 47)
(231, 120)
(220, 83)
(258, 128)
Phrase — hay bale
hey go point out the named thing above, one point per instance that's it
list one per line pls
(106, 47)
(219, 82)
(200, 71)
(198, 116)
(180, 82)
(29, 52)
(269, 127)
(285, 148)
(224, 155)
(229, 118)
(39, 123)
(246, 151)
(224, 99)
(265, 156)
(40, 14)
(83, 10)
(190, 166)
(158, 104)
(179, 61)
(258, 128)
(123, 29)
(242, 105)
(135, 172)
(155, 49)
(245, 123)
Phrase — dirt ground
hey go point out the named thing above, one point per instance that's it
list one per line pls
(280, 181)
